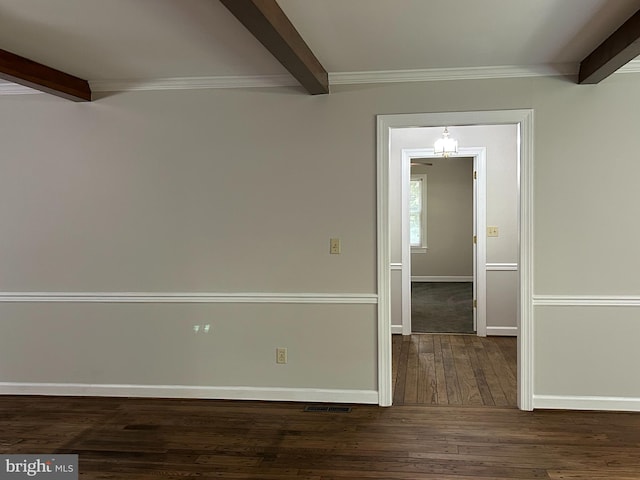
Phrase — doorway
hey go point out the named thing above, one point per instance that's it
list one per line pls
(441, 231)
(524, 121)
(477, 177)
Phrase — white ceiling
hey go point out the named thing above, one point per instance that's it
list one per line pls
(364, 35)
(156, 39)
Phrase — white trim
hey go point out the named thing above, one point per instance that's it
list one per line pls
(480, 246)
(405, 251)
(185, 391)
(396, 330)
(459, 278)
(193, 83)
(479, 155)
(463, 73)
(587, 300)
(525, 140)
(502, 331)
(141, 297)
(574, 402)
(395, 266)
(286, 80)
(336, 78)
(632, 67)
(525, 319)
(422, 178)
(502, 267)
(8, 88)
(383, 257)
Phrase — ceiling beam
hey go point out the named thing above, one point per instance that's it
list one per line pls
(616, 51)
(23, 71)
(268, 23)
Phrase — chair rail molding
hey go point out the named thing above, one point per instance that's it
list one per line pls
(587, 300)
(184, 297)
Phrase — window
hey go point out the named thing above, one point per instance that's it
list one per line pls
(418, 213)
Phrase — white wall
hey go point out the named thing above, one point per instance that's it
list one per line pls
(240, 191)
(501, 146)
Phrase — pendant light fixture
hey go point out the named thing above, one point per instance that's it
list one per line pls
(446, 146)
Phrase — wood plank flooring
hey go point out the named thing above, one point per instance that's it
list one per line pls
(144, 439)
(435, 369)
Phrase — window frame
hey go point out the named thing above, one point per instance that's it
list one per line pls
(422, 178)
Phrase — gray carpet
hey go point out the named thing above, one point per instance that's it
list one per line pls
(442, 307)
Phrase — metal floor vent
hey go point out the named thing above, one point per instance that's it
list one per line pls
(323, 408)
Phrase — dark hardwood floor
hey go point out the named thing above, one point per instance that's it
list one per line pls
(438, 369)
(142, 439)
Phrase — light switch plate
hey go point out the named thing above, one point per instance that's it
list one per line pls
(281, 355)
(492, 231)
(334, 246)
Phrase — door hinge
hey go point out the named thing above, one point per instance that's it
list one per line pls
(475, 239)
(475, 175)
(475, 303)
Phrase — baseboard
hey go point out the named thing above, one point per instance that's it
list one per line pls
(180, 391)
(396, 329)
(502, 331)
(562, 402)
(460, 278)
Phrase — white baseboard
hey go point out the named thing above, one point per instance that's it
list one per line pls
(460, 278)
(502, 331)
(562, 402)
(396, 329)
(181, 391)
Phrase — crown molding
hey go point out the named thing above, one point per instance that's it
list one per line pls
(174, 83)
(194, 83)
(464, 73)
(337, 78)
(8, 88)
(632, 67)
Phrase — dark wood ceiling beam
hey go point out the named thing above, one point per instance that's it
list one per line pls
(23, 71)
(268, 23)
(616, 51)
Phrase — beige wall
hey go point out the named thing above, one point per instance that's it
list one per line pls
(449, 219)
(240, 190)
(502, 180)
(152, 344)
(161, 192)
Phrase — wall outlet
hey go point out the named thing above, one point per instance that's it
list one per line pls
(281, 355)
(334, 246)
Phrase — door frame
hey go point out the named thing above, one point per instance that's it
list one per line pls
(479, 155)
(524, 119)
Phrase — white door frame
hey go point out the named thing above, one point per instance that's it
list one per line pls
(479, 155)
(524, 119)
